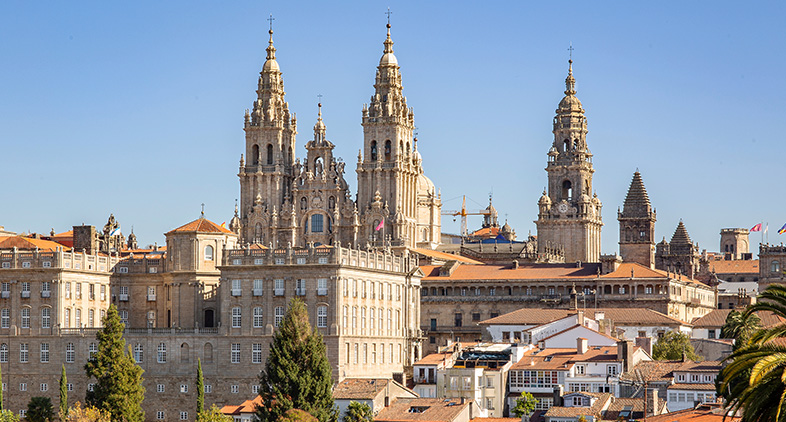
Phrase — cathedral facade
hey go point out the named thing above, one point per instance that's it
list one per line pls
(285, 201)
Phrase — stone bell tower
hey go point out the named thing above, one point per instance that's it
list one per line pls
(569, 210)
(637, 225)
(267, 171)
(398, 204)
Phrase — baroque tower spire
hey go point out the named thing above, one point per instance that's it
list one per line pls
(571, 215)
(267, 174)
(390, 167)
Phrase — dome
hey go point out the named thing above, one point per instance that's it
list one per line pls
(506, 228)
(425, 185)
(388, 59)
(271, 66)
(570, 104)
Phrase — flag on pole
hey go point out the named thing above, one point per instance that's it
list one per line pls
(756, 228)
(766, 227)
(782, 230)
(224, 225)
(116, 231)
(380, 225)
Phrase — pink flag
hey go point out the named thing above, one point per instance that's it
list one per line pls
(756, 228)
(382, 224)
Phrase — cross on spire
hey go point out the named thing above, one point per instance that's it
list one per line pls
(271, 19)
(388, 13)
(203, 209)
(570, 50)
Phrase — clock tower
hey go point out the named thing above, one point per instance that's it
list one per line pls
(569, 210)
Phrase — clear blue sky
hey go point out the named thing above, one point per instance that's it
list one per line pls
(136, 108)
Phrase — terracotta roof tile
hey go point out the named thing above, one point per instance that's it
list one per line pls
(359, 388)
(23, 242)
(200, 225)
(563, 359)
(717, 317)
(594, 410)
(699, 387)
(703, 366)
(750, 266)
(433, 359)
(433, 410)
(705, 413)
(620, 316)
(654, 371)
(248, 406)
(507, 272)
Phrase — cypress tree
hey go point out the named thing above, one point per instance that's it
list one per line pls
(297, 374)
(63, 393)
(200, 385)
(118, 389)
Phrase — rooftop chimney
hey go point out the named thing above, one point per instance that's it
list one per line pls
(652, 402)
(557, 396)
(645, 343)
(581, 345)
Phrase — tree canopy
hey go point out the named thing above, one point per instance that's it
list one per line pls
(525, 404)
(212, 415)
(358, 412)
(39, 409)
(118, 387)
(740, 326)
(297, 374)
(672, 346)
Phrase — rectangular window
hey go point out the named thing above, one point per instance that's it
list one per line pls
(612, 369)
(70, 353)
(45, 289)
(78, 290)
(234, 388)
(25, 317)
(161, 353)
(69, 386)
(278, 287)
(160, 388)
(5, 318)
(92, 349)
(322, 287)
(23, 352)
(258, 287)
(44, 352)
(184, 388)
(103, 292)
(236, 288)
(258, 317)
(46, 317)
(300, 287)
(123, 317)
(22, 387)
(256, 353)
(78, 318)
(160, 415)
(235, 353)
(236, 317)
(278, 316)
(183, 416)
(322, 316)
(208, 388)
(139, 353)
(91, 291)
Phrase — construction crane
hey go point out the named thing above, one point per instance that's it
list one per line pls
(463, 213)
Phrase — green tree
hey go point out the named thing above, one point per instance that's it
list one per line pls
(297, 374)
(358, 412)
(212, 415)
(8, 416)
(740, 326)
(525, 405)
(672, 346)
(63, 393)
(118, 388)
(39, 409)
(296, 415)
(754, 379)
(200, 385)
(1, 390)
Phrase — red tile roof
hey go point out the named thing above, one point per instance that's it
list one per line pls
(620, 316)
(653, 371)
(562, 359)
(717, 317)
(433, 410)
(23, 242)
(750, 266)
(359, 388)
(433, 359)
(704, 413)
(446, 256)
(201, 225)
(699, 387)
(248, 406)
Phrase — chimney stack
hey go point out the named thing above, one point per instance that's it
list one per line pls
(652, 402)
(581, 345)
(557, 396)
(645, 343)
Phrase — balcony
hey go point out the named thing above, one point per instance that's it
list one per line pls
(278, 292)
(122, 297)
(237, 292)
(46, 293)
(5, 294)
(151, 298)
(322, 291)
(300, 291)
(26, 294)
(258, 292)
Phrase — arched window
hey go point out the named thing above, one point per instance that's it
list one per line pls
(387, 150)
(270, 154)
(567, 190)
(566, 145)
(317, 222)
(184, 350)
(208, 352)
(254, 159)
(208, 253)
(373, 150)
(775, 267)
(209, 318)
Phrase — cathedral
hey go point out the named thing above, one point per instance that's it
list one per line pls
(288, 202)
